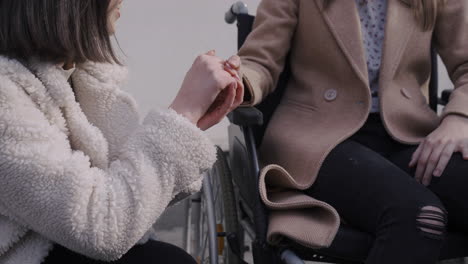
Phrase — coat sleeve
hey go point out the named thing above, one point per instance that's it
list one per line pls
(53, 190)
(451, 40)
(265, 50)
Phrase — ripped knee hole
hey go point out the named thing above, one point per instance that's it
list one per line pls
(432, 221)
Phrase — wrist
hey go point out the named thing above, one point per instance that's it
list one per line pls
(455, 118)
(185, 113)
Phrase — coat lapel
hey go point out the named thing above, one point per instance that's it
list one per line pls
(343, 21)
(398, 30)
(22, 76)
(105, 116)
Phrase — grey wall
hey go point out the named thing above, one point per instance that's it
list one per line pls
(162, 38)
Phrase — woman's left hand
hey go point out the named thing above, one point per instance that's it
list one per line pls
(435, 152)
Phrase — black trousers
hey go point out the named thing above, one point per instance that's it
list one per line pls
(368, 180)
(153, 252)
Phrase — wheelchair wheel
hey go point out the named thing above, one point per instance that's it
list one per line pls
(216, 222)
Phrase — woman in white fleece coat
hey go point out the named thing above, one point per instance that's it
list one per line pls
(81, 178)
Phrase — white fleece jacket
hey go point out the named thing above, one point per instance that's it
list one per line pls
(80, 169)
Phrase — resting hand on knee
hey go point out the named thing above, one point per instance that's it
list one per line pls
(434, 153)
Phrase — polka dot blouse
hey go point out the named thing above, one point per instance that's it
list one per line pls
(373, 15)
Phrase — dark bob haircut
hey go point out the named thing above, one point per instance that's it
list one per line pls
(56, 30)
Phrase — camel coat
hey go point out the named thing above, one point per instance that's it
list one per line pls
(328, 96)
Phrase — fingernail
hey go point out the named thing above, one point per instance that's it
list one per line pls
(235, 62)
(228, 68)
(437, 173)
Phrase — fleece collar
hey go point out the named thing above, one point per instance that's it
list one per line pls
(50, 90)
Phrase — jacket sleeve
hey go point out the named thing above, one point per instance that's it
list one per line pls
(53, 190)
(451, 40)
(265, 50)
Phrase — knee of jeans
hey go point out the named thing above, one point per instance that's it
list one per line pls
(432, 221)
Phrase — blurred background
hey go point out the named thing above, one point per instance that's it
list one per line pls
(160, 40)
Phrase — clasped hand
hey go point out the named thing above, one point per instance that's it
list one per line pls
(211, 89)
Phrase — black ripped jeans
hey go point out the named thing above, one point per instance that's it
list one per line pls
(367, 179)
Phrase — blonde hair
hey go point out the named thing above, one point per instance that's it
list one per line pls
(425, 11)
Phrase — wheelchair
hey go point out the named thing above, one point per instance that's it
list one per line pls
(228, 211)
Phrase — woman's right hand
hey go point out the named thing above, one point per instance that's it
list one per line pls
(205, 80)
(228, 100)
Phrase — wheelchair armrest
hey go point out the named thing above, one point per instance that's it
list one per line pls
(246, 116)
(445, 97)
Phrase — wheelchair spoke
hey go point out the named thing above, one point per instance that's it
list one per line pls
(219, 211)
(211, 228)
(204, 249)
(202, 226)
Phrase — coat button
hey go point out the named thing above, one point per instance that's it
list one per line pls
(330, 94)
